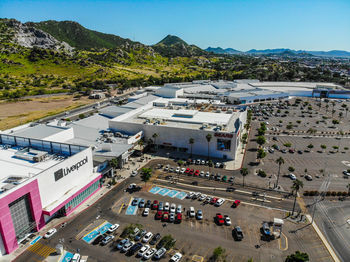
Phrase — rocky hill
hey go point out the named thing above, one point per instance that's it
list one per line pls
(172, 46)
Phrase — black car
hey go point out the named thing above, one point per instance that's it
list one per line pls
(237, 233)
(148, 204)
(155, 239)
(142, 203)
(161, 243)
(230, 189)
(98, 239)
(134, 248)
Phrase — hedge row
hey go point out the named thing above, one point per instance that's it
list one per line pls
(328, 193)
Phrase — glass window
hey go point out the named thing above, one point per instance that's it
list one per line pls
(223, 145)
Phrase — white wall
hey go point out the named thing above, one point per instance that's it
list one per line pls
(51, 190)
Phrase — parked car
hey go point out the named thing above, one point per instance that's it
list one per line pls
(236, 203)
(155, 239)
(219, 219)
(107, 239)
(155, 205)
(182, 170)
(122, 243)
(50, 233)
(133, 173)
(227, 220)
(135, 248)
(292, 176)
(178, 218)
(145, 212)
(143, 250)
(199, 214)
(148, 204)
(176, 258)
(159, 253)
(346, 173)
(190, 195)
(177, 170)
(160, 206)
(202, 197)
(165, 217)
(172, 208)
(135, 202)
(113, 228)
(192, 212)
(179, 209)
(237, 233)
(171, 217)
(98, 239)
(213, 200)
(308, 177)
(166, 206)
(266, 229)
(147, 237)
(158, 215)
(231, 179)
(150, 252)
(219, 202)
(140, 235)
(76, 257)
(142, 203)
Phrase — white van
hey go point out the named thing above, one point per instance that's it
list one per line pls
(76, 257)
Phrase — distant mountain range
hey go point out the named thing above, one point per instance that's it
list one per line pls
(279, 51)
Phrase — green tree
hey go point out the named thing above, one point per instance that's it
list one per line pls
(261, 154)
(261, 140)
(297, 185)
(291, 169)
(279, 161)
(208, 137)
(323, 147)
(244, 172)
(191, 142)
(298, 257)
(219, 254)
(310, 146)
(146, 174)
(113, 163)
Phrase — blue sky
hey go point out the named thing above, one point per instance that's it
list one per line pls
(240, 24)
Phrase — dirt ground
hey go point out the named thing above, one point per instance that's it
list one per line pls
(16, 113)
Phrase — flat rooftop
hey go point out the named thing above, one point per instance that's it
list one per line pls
(15, 170)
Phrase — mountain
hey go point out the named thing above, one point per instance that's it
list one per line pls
(172, 46)
(219, 50)
(280, 51)
(80, 37)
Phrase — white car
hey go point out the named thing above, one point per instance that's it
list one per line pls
(173, 208)
(113, 228)
(134, 173)
(127, 246)
(190, 195)
(143, 250)
(217, 165)
(177, 170)
(145, 212)
(292, 176)
(201, 173)
(202, 197)
(160, 252)
(227, 221)
(207, 199)
(198, 162)
(219, 202)
(192, 212)
(147, 237)
(202, 162)
(182, 170)
(50, 233)
(149, 253)
(207, 175)
(166, 206)
(176, 258)
(179, 209)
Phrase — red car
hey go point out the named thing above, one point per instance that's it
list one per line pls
(178, 217)
(213, 200)
(196, 173)
(191, 172)
(165, 217)
(219, 219)
(155, 205)
(236, 203)
(159, 215)
(187, 170)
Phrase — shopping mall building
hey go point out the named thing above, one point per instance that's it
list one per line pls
(39, 180)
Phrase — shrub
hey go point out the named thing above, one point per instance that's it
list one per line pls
(334, 193)
(328, 193)
(306, 193)
(344, 193)
(339, 193)
(261, 173)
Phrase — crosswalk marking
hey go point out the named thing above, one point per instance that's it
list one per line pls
(41, 250)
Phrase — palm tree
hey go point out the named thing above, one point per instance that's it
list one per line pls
(208, 137)
(244, 173)
(155, 135)
(191, 142)
(297, 184)
(279, 161)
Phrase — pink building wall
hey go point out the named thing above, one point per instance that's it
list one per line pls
(7, 229)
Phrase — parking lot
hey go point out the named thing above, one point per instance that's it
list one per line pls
(199, 237)
(307, 140)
